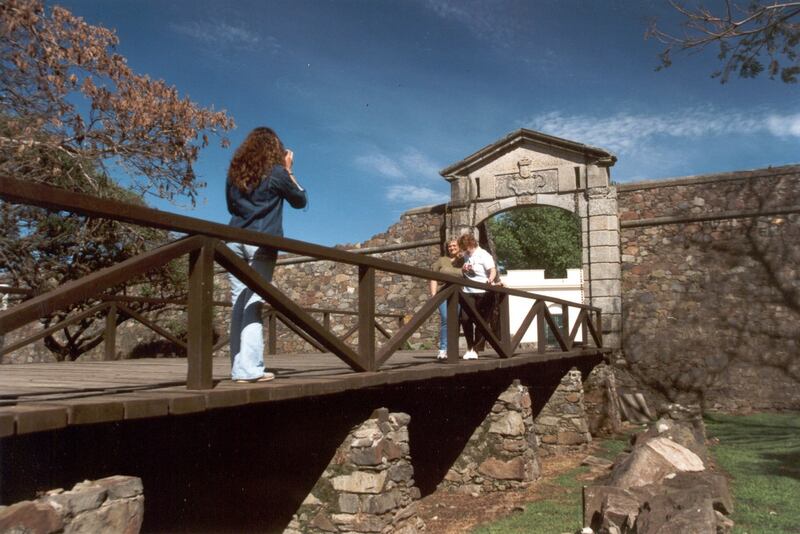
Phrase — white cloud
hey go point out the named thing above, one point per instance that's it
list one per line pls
(785, 126)
(382, 164)
(625, 133)
(411, 163)
(223, 35)
(411, 194)
(497, 24)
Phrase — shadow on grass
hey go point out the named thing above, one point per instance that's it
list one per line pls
(773, 449)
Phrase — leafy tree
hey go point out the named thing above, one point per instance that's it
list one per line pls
(71, 111)
(752, 37)
(540, 237)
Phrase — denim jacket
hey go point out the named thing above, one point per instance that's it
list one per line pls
(262, 208)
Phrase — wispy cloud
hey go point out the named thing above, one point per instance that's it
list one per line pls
(627, 132)
(411, 194)
(382, 164)
(487, 20)
(411, 163)
(412, 167)
(223, 35)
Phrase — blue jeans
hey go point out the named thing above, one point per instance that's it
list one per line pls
(247, 323)
(443, 326)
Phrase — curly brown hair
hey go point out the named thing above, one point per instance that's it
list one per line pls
(255, 157)
(466, 241)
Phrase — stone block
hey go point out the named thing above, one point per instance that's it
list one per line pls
(349, 503)
(603, 238)
(604, 254)
(603, 206)
(603, 222)
(569, 437)
(596, 176)
(608, 304)
(606, 288)
(602, 271)
(514, 469)
(75, 502)
(567, 179)
(649, 464)
(379, 504)
(509, 424)
(360, 482)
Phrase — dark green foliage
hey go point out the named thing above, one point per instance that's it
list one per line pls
(540, 237)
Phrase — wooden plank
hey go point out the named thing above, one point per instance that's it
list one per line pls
(178, 402)
(90, 410)
(200, 316)
(93, 284)
(226, 394)
(299, 332)
(36, 417)
(453, 325)
(366, 316)
(138, 407)
(6, 423)
(110, 336)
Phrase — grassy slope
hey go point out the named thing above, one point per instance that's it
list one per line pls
(760, 452)
(559, 514)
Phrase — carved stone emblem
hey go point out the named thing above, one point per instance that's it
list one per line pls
(524, 167)
(527, 182)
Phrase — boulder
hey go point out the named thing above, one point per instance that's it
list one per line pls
(651, 462)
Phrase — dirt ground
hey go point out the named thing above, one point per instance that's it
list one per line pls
(456, 513)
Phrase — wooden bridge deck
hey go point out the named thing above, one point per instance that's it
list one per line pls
(36, 397)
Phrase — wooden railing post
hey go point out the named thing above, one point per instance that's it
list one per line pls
(505, 322)
(599, 327)
(272, 332)
(200, 316)
(326, 321)
(541, 332)
(366, 316)
(565, 324)
(453, 327)
(110, 336)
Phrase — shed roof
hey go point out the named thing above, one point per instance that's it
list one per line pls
(594, 154)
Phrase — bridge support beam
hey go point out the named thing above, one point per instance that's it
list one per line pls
(501, 453)
(561, 425)
(369, 484)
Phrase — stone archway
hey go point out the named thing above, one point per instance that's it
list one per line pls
(528, 168)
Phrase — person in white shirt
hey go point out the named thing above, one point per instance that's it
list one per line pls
(478, 267)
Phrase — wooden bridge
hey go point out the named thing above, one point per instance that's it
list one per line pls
(39, 397)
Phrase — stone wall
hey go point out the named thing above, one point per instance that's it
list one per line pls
(113, 505)
(711, 294)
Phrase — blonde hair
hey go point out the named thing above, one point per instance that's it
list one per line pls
(466, 241)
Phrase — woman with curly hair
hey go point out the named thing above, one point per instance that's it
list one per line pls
(260, 178)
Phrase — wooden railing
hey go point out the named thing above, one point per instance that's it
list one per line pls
(204, 244)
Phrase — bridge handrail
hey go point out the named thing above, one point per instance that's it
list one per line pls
(53, 198)
(205, 247)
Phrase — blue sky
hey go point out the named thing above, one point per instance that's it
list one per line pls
(376, 96)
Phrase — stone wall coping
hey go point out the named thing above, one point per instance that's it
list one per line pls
(708, 178)
(735, 214)
(432, 209)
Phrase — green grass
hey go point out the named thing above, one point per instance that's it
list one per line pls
(761, 453)
(560, 513)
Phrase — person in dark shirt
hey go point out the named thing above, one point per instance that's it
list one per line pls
(260, 178)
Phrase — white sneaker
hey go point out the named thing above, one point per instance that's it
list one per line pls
(442, 355)
(470, 355)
